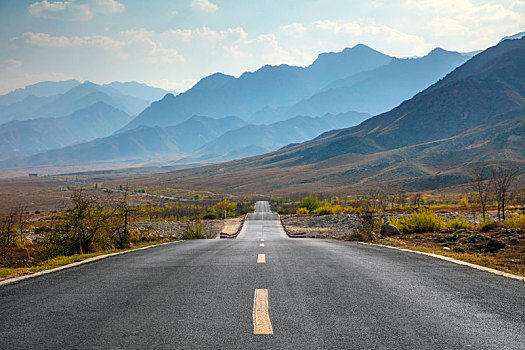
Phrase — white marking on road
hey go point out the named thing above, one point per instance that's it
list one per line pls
(261, 317)
(262, 240)
(82, 262)
(261, 245)
(261, 259)
(455, 261)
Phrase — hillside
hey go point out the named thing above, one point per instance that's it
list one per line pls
(475, 115)
(220, 95)
(22, 138)
(137, 144)
(374, 91)
(42, 89)
(59, 99)
(256, 139)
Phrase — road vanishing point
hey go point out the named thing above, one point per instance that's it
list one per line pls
(264, 290)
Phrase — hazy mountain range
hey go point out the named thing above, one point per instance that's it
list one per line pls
(21, 138)
(198, 138)
(474, 116)
(275, 93)
(272, 107)
(33, 103)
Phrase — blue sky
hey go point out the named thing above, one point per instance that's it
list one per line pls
(174, 43)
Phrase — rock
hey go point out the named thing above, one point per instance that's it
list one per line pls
(493, 246)
(389, 230)
(477, 239)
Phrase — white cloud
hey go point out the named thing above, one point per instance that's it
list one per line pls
(466, 25)
(203, 6)
(46, 40)
(66, 11)
(137, 43)
(74, 10)
(11, 65)
(174, 12)
(328, 35)
(294, 28)
(518, 6)
(107, 6)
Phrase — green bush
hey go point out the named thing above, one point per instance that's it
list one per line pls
(225, 207)
(425, 220)
(310, 202)
(459, 223)
(324, 209)
(302, 211)
(515, 221)
(194, 230)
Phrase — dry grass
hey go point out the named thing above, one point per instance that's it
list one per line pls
(61, 261)
(505, 261)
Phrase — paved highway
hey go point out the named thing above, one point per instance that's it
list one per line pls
(264, 290)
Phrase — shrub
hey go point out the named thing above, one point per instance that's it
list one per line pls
(139, 236)
(463, 202)
(488, 225)
(324, 209)
(459, 223)
(282, 210)
(302, 211)
(194, 230)
(425, 220)
(515, 221)
(210, 216)
(310, 202)
(225, 207)
(460, 248)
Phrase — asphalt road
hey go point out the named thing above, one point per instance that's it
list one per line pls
(320, 294)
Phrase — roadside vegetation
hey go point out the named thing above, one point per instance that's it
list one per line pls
(98, 222)
(485, 225)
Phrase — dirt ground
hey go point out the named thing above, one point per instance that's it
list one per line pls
(175, 229)
(496, 247)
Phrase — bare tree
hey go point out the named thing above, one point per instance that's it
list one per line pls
(121, 228)
(85, 220)
(20, 213)
(502, 180)
(417, 199)
(368, 215)
(482, 184)
(7, 223)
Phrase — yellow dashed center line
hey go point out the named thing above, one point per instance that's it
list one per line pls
(261, 259)
(261, 317)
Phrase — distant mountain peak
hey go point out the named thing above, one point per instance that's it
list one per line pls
(214, 81)
(361, 47)
(514, 37)
(358, 49)
(438, 51)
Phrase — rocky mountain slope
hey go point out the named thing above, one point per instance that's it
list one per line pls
(475, 115)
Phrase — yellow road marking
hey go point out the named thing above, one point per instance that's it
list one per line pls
(261, 259)
(261, 245)
(261, 317)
